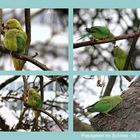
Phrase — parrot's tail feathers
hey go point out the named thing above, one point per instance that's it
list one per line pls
(83, 36)
(111, 35)
(37, 114)
(18, 64)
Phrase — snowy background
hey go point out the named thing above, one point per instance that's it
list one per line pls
(55, 102)
(49, 38)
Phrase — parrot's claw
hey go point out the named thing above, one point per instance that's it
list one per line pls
(109, 115)
(92, 39)
(114, 43)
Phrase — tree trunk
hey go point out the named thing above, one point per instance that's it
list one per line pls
(124, 117)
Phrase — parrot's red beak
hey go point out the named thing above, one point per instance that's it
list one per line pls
(4, 26)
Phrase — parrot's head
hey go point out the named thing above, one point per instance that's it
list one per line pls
(88, 30)
(31, 91)
(115, 50)
(12, 24)
(92, 29)
(118, 52)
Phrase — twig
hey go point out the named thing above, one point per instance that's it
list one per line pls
(10, 97)
(128, 60)
(5, 83)
(60, 79)
(0, 25)
(28, 29)
(95, 42)
(55, 106)
(20, 119)
(51, 116)
(26, 58)
(110, 85)
(41, 88)
(24, 88)
(34, 14)
(28, 32)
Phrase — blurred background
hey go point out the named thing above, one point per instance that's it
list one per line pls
(99, 57)
(49, 38)
(12, 108)
(89, 89)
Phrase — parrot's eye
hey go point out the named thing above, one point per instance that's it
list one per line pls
(112, 52)
(87, 29)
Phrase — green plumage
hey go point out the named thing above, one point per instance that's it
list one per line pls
(120, 58)
(105, 104)
(15, 40)
(98, 32)
(34, 99)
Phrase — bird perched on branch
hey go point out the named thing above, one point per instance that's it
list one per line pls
(105, 104)
(120, 57)
(15, 40)
(98, 32)
(34, 101)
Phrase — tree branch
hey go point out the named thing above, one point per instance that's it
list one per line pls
(128, 60)
(26, 58)
(110, 85)
(10, 80)
(28, 29)
(21, 119)
(0, 25)
(95, 42)
(51, 116)
(42, 88)
(24, 88)
(80, 126)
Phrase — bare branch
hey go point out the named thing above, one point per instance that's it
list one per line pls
(26, 58)
(51, 116)
(41, 88)
(0, 25)
(110, 85)
(28, 29)
(10, 80)
(95, 42)
(128, 60)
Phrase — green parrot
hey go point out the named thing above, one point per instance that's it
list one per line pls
(120, 58)
(98, 32)
(15, 40)
(105, 104)
(34, 101)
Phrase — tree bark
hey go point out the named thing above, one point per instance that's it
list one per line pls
(80, 126)
(124, 117)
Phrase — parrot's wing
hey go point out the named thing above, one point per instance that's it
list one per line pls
(102, 106)
(31, 102)
(119, 57)
(21, 41)
(37, 98)
(17, 63)
(101, 30)
(10, 40)
(116, 64)
(106, 97)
